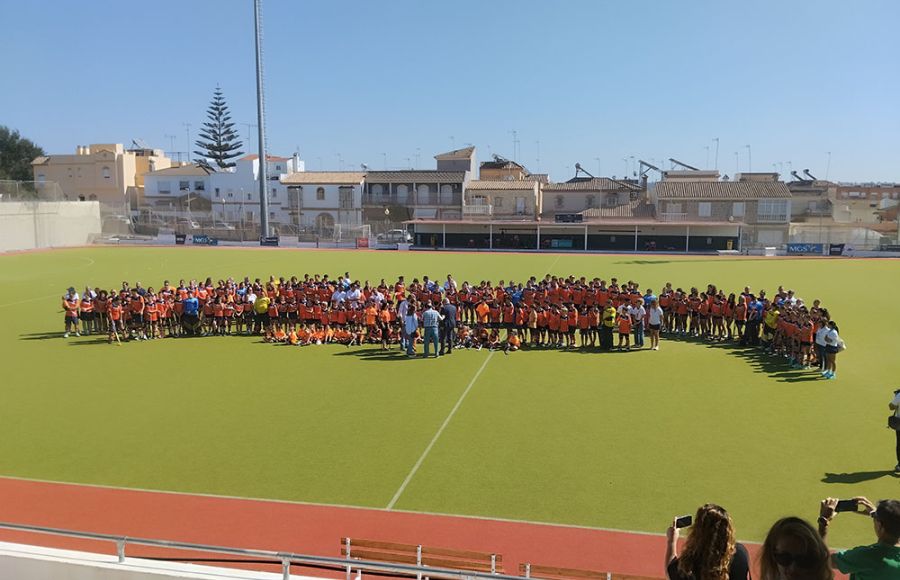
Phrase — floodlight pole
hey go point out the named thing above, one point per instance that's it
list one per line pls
(260, 121)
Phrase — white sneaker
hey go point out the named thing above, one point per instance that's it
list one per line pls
(66, 335)
(655, 348)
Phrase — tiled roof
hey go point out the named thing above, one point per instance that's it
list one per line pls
(196, 170)
(254, 156)
(501, 184)
(721, 190)
(637, 208)
(593, 184)
(40, 160)
(324, 177)
(413, 176)
(502, 164)
(542, 177)
(464, 153)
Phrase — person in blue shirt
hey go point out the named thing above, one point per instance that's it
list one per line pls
(649, 297)
(190, 318)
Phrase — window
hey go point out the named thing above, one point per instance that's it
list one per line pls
(41, 177)
(560, 201)
(184, 185)
(278, 168)
(274, 193)
(345, 197)
(704, 209)
(612, 200)
(377, 189)
(402, 190)
(271, 215)
(230, 194)
(249, 196)
(737, 209)
(590, 201)
(320, 193)
(217, 192)
(772, 210)
(106, 173)
(164, 187)
(199, 186)
(498, 202)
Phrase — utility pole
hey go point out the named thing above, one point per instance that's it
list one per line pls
(597, 159)
(717, 153)
(171, 139)
(538, 158)
(249, 135)
(749, 159)
(828, 166)
(187, 130)
(261, 122)
(707, 157)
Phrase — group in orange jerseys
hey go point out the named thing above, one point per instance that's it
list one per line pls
(559, 312)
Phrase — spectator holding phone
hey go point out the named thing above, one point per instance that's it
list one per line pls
(878, 561)
(710, 551)
(794, 551)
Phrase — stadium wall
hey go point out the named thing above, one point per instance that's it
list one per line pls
(29, 225)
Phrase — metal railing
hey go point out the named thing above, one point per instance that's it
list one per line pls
(285, 559)
(673, 216)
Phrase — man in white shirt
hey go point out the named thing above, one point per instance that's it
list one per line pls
(354, 295)
(821, 331)
(338, 296)
(637, 314)
(410, 325)
(402, 310)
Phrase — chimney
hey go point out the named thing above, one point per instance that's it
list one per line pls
(296, 161)
(79, 150)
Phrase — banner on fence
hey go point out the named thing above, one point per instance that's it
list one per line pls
(268, 240)
(560, 243)
(362, 242)
(180, 239)
(204, 240)
(806, 249)
(836, 249)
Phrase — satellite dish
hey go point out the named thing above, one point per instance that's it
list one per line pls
(578, 167)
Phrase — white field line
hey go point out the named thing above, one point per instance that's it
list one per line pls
(434, 439)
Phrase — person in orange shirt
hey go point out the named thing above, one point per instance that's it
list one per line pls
(151, 312)
(513, 342)
(86, 313)
(584, 327)
(163, 306)
(219, 316)
(114, 312)
(624, 321)
(384, 326)
(563, 339)
(293, 338)
(136, 312)
(482, 312)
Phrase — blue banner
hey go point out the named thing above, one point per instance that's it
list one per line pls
(806, 249)
(204, 240)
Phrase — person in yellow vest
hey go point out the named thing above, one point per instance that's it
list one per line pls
(261, 312)
(607, 326)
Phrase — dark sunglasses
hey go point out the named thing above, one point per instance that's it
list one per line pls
(785, 559)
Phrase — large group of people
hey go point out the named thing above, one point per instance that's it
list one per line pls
(551, 312)
(793, 549)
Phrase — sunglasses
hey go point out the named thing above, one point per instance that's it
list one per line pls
(785, 559)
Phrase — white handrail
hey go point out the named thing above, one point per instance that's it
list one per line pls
(286, 559)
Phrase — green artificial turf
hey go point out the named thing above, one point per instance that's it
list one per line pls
(618, 440)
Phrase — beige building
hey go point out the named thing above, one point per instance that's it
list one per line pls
(104, 172)
(502, 199)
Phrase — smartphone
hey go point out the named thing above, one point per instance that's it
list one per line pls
(684, 521)
(846, 505)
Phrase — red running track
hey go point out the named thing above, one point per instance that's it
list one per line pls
(307, 528)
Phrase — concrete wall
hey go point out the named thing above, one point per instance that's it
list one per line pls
(48, 224)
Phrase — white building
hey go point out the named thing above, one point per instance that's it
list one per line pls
(230, 195)
(323, 199)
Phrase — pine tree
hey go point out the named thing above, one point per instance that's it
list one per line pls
(218, 141)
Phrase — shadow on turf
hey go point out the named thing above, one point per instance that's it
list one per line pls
(858, 476)
(776, 367)
(41, 336)
(375, 354)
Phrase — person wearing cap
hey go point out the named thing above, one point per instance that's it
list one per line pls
(878, 561)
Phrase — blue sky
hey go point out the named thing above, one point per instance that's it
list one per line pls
(375, 81)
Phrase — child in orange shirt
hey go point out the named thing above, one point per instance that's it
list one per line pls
(624, 331)
(513, 342)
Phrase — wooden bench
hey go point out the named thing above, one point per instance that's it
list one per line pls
(557, 573)
(418, 555)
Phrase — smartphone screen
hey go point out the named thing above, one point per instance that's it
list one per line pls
(846, 505)
(684, 521)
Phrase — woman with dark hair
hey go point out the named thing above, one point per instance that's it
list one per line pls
(710, 551)
(793, 550)
(833, 345)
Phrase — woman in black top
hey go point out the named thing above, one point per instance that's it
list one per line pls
(710, 551)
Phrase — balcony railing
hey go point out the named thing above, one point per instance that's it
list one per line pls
(424, 199)
(673, 216)
(478, 211)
